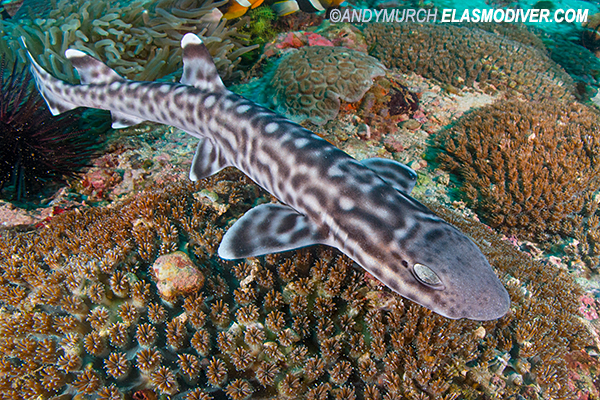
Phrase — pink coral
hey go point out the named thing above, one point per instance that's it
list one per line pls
(587, 308)
(315, 39)
(295, 40)
(291, 39)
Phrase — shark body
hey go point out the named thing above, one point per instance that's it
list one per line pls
(361, 208)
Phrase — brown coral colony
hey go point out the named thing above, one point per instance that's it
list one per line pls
(529, 168)
(314, 326)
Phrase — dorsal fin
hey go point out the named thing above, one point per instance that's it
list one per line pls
(399, 176)
(91, 70)
(199, 70)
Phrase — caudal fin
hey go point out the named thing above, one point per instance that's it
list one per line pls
(61, 96)
(51, 89)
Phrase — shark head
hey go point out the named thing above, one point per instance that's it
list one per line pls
(446, 272)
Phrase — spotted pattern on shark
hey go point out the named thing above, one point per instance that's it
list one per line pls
(364, 208)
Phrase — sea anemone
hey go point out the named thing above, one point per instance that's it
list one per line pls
(37, 149)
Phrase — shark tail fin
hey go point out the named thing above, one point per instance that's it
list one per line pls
(51, 89)
(61, 96)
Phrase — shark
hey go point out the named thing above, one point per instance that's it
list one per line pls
(362, 208)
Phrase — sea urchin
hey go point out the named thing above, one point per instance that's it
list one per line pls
(37, 149)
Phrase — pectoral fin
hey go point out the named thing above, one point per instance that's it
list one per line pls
(269, 228)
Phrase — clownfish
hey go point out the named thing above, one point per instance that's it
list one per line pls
(237, 8)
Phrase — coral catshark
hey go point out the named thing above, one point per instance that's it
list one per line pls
(361, 208)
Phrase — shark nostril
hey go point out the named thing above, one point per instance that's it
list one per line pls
(405, 263)
(427, 277)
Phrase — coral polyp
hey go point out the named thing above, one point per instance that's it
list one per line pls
(303, 322)
(37, 149)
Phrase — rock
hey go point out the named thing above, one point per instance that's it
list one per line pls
(411, 124)
(175, 274)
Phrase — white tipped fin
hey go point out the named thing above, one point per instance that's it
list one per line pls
(199, 69)
(123, 121)
(90, 69)
(244, 3)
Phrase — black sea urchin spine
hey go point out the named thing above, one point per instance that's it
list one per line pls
(36, 148)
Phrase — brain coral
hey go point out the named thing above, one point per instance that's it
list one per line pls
(309, 83)
(461, 56)
(80, 316)
(139, 39)
(527, 168)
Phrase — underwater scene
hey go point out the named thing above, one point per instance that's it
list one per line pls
(299, 199)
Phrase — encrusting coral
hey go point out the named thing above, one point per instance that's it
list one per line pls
(81, 316)
(139, 39)
(310, 82)
(461, 56)
(529, 168)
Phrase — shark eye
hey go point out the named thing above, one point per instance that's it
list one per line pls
(427, 277)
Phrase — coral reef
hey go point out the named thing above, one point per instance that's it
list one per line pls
(529, 168)
(580, 63)
(461, 56)
(342, 35)
(85, 301)
(139, 39)
(309, 83)
(528, 35)
(590, 37)
(299, 21)
(386, 99)
(37, 149)
(81, 316)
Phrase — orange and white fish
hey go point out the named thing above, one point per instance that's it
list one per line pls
(237, 8)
